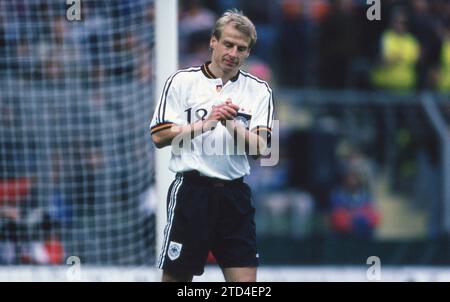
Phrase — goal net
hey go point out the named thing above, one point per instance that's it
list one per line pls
(76, 160)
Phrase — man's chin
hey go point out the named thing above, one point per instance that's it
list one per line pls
(230, 69)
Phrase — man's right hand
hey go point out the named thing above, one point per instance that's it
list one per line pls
(222, 112)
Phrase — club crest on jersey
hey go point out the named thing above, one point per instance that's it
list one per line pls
(174, 250)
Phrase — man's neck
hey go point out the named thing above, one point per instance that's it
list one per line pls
(220, 74)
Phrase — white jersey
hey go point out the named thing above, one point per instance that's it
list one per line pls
(190, 94)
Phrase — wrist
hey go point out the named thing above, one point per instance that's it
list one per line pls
(208, 125)
(231, 125)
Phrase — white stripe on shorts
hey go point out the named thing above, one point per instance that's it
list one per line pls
(172, 204)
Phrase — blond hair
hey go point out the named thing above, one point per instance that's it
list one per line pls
(241, 22)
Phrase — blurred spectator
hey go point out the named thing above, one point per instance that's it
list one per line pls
(195, 23)
(350, 156)
(45, 247)
(9, 232)
(293, 43)
(92, 37)
(59, 210)
(262, 13)
(444, 71)
(85, 162)
(400, 52)
(121, 62)
(55, 57)
(352, 204)
(338, 45)
(2, 47)
(54, 249)
(259, 69)
(196, 53)
(318, 9)
(405, 166)
(13, 192)
(424, 28)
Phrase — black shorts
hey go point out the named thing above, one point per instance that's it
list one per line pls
(207, 214)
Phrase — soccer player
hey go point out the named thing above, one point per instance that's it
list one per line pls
(209, 206)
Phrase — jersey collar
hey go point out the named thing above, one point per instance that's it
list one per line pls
(208, 73)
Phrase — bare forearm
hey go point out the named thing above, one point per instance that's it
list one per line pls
(165, 137)
(255, 144)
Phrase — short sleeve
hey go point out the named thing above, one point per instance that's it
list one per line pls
(262, 119)
(168, 111)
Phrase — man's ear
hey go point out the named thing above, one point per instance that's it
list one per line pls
(212, 42)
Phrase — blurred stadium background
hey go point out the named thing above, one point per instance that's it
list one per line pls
(364, 116)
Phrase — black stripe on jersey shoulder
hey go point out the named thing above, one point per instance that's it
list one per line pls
(163, 100)
(270, 110)
(248, 75)
(160, 127)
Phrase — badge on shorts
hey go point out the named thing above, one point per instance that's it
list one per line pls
(174, 250)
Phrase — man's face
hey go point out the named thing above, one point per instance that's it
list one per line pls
(231, 50)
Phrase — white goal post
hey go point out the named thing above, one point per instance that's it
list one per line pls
(166, 43)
